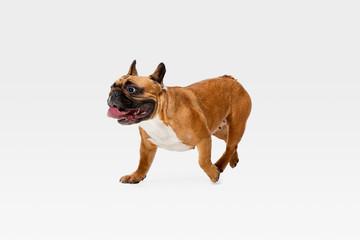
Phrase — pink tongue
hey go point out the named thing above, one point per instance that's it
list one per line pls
(115, 113)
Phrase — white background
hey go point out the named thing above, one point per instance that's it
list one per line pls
(61, 157)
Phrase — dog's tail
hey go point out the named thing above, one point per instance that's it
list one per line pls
(229, 76)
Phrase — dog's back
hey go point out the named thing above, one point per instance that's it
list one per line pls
(216, 98)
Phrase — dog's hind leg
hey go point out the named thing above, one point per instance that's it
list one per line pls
(236, 123)
(230, 154)
(222, 133)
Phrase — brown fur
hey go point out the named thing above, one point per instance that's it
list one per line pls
(218, 106)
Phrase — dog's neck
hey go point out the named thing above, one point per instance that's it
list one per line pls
(164, 101)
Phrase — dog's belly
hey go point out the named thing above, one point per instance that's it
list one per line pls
(163, 136)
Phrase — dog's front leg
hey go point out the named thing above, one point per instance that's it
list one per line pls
(147, 154)
(204, 148)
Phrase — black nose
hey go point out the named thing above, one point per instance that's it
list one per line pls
(119, 100)
(110, 101)
(114, 100)
(114, 105)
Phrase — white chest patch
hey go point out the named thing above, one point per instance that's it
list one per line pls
(163, 136)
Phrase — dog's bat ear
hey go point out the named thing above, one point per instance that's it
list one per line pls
(132, 70)
(159, 74)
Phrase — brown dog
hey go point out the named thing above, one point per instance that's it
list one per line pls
(180, 118)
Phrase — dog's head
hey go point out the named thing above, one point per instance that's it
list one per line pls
(133, 98)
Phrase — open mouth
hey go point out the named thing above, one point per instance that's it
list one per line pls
(130, 116)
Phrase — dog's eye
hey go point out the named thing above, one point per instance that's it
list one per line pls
(131, 89)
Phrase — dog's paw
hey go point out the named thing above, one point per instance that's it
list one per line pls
(215, 174)
(132, 178)
(234, 160)
(233, 163)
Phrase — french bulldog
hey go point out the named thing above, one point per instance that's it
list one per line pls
(181, 118)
